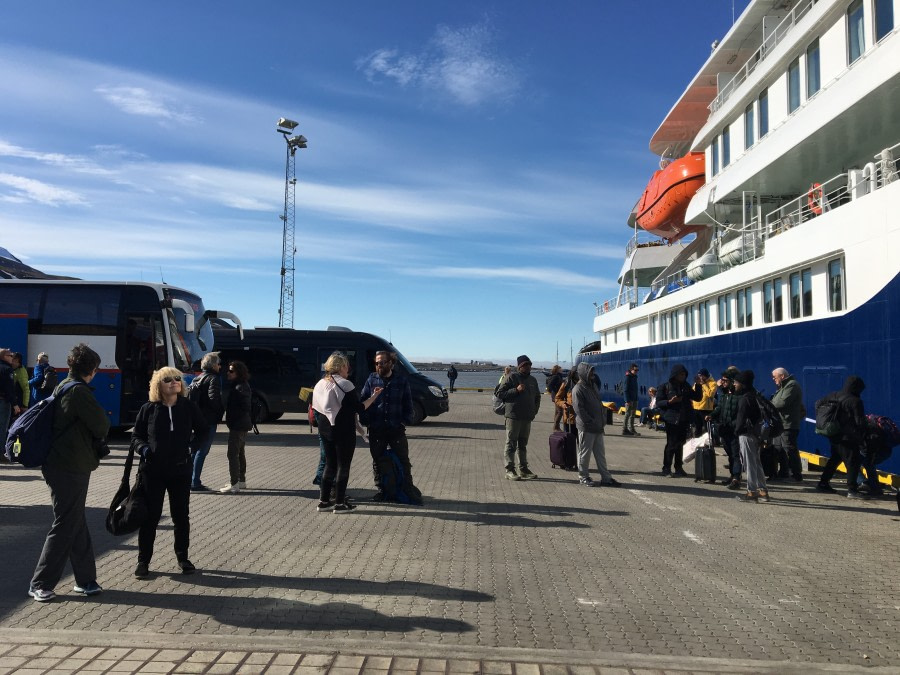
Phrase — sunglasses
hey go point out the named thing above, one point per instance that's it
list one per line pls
(170, 380)
(382, 363)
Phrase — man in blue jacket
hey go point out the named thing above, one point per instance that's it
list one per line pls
(387, 419)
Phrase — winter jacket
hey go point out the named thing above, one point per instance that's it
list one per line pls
(237, 408)
(37, 380)
(554, 382)
(725, 412)
(788, 400)
(79, 421)
(393, 409)
(7, 388)
(171, 434)
(708, 395)
(23, 393)
(631, 387)
(852, 416)
(748, 416)
(522, 405)
(590, 415)
(563, 400)
(680, 412)
(209, 399)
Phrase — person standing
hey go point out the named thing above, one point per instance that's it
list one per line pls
(168, 427)
(522, 396)
(387, 419)
(239, 422)
(847, 445)
(43, 380)
(452, 375)
(724, 415)
(8, 405)
(590, 418)
(631, 400)
(673, 398)
(79, 422)
(337, 403)
(20, 378)
(746, 424)
(206, 392)
(554, 382)
(788, 400)
(707, 402)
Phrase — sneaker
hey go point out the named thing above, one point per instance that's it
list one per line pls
(242, 484)
(186, 566)
(512, 475)
(142, 571)
(634, 433)
(747, 498)
(764, 496)
(199, 488)
(679, 473)
(346, 507)
(230, 489)
(92, 588)
(825, 487)
(854, 494)
(612, 483)
(586, 480)
(665, 473)
(625, 432)
(379, 497)
(734, 484)
(41, 595)
(726, 481)
(325, 506)
(525, 474)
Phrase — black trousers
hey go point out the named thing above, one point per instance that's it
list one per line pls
(68, 539)
(177, 482)
(733, 450)
(379, 442)
(338, 457)
(846, 452)
(676, 435)
(788, 454)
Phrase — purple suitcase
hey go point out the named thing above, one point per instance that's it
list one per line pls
(562, 450)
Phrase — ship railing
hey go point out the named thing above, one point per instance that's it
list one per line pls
(769, 43)
(628, 296)
(642, 239)
(670, 283)
(819, 199)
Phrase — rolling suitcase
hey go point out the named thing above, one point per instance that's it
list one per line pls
(563, 453)
(705, 461)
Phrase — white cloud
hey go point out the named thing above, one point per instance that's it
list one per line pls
(545, 276)
(143, 103)
(71, 162)
(460, 63)
(30, 190)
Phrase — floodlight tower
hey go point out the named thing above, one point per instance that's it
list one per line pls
(286, 128)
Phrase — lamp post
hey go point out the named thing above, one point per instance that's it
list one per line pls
(286, 127)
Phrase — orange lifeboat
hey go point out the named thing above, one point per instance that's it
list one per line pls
(661, 208)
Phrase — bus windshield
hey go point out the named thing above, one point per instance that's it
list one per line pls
(188, 347)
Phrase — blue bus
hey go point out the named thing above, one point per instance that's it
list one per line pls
(135, 327)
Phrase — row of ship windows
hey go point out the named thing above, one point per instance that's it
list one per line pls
(736, 309)
(756, 114)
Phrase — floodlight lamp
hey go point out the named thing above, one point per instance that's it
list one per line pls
(297, 142)
(284, 123)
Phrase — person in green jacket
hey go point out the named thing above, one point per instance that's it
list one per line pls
(79, 425)
(20, 377)
(788, 400)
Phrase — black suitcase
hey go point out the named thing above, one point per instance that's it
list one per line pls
(768, 457)
(705, 461)
(563, 454)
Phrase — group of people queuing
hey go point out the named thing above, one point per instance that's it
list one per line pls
(18, 391)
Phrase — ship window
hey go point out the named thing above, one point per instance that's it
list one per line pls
(836, 285)
(749, 127)
(663, 327)
(725, 312)
(794, 86)
(856, 37)
(763, 106)
(689, 321)
(673, 325)
(652, 329)
(714, 161)
(726, 146)
(795, 294)
(704, 317)
(776, 300)
(801, 293)
(813, 76)
(884, 18)
(744, 308)
(628, 333)
(806, 284)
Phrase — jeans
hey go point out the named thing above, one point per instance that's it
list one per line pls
(592, 442)
(733, 450)
(756, 477)
(69, 539)
(379, 441)
(176, 481)
(200, 456)
(630, 408)
(338, 457)
(516, 451)
(788, 454)
(237, 457)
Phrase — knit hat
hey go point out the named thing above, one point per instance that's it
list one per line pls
(523, 359)
(745, 377)
(731, 372)
(704, 372)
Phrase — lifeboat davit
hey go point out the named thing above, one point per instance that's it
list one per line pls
(661, 209)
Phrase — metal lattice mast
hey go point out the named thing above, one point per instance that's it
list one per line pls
(288, 247)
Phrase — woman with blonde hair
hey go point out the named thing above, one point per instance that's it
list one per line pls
(337, 402)
(167, 429)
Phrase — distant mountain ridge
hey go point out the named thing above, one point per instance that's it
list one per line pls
(13, 268)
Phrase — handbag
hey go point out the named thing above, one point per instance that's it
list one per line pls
(128, 510)
(692, 445)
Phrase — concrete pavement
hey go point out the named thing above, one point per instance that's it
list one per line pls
(489, 575)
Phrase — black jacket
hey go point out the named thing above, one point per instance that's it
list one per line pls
(237, 409)
(681, 412)
(748, 415)
(171, 434)
(209, 397)
(852, 415)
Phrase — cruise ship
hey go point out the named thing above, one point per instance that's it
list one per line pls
(785, 252)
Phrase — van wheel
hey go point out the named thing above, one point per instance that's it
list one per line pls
(418, 413)
(274, 416)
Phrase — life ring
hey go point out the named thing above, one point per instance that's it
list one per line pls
(814, 198)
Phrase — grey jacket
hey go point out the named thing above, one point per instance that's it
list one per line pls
(788, 400)
(522, 405)
(590, 415)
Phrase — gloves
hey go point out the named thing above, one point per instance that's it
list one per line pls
(144, 451)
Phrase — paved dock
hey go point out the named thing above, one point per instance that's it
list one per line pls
(540, 577)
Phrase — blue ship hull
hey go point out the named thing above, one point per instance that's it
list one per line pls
(820, 354)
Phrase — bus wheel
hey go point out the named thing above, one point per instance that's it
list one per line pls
(418, 413)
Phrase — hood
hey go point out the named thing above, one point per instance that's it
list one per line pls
(853, 385)
(677, 368)
(584, 370)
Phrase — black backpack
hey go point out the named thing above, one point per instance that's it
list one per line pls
(195, 391)
(770, 419)
(48, 385)
(828, 412)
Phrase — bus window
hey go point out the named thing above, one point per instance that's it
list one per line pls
(82, 310)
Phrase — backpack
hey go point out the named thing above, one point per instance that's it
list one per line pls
(31, 435)
(48, 385)
(256, 410)
(770, 419)
(498, 405)
(890, 433)
(827, 416)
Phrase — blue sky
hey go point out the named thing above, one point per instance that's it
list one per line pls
(469, 172)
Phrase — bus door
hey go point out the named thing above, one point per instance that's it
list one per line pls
(141, 350)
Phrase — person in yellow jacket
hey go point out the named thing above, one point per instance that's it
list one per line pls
(704, 406)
